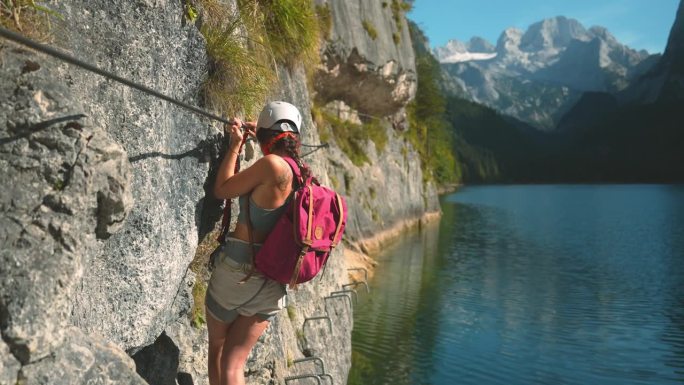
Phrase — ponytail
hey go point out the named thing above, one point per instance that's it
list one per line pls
(289, 144)
(291, 148)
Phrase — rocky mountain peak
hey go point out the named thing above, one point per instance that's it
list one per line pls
(479, 44)
(675, 43)
(554, 33)
(509, 40)
(664, 81)
(602, 33)
(537, 74)
(451, 47)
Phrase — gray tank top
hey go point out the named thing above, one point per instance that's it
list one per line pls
(263, 220)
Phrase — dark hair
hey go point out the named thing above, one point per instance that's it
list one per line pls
(288, 144)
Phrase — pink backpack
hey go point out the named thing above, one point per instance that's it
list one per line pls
(302, 239)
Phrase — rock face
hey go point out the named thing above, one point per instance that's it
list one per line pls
(364, 79)
(635, 135)
(538, 74)
(384, 192)
(368, 61)
(129, 286)
(104, 197)
(68, 187)
(665, 81)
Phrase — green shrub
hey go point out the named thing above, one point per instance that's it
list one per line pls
(240, 73)
(291, 27)
(399, 8)
(396, 38)
(301, 338)
(324, 21)
(347, 182)
(377, 133)
(291, 312)
(190, 11)
(370, 29)
(244, 47)
(323, 128)
(197, 316)
(434, 143)
(335, 182)
(28, 17)
(199, 267)
(350, 137)
(375, 216)
(429, 132)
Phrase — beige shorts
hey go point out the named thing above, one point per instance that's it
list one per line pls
(227, 297)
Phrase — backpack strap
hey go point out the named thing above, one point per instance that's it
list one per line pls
(295, 169)
(339, 223)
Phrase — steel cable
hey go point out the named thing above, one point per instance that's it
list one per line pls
(18, 38)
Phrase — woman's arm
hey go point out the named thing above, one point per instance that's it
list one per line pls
(228, 184)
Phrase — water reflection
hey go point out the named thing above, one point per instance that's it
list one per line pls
(532, 284)
(674, 332)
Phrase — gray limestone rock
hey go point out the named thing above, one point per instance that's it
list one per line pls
(55, 163)
(82, 359)
(9, 366)
(373, 78)
(128, 288)
(99, 217)
(374, 75)
(385, 191)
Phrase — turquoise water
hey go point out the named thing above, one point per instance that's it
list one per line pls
(535, 284)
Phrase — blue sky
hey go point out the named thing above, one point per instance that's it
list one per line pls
(641, 24)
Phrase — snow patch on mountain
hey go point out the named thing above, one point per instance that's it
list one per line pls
(536, 75)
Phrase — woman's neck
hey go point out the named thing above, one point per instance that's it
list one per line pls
(280, 153)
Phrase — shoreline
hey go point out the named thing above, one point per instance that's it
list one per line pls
(449, 188)
(360, 254)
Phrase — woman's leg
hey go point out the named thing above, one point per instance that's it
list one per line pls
(217, 336)
(241, 337)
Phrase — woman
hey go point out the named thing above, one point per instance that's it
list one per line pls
(239, 311)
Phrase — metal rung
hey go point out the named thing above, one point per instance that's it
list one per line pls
(365, 272)
(339, 296)
(303, 376)
(329, 376)
(353, 293)
(312, 359)
(357, 283)
(317, 318)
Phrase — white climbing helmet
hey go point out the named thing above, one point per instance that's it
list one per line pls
(274, 113)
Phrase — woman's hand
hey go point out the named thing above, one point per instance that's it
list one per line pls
(234, 130)
(251, 128)
(237, 130)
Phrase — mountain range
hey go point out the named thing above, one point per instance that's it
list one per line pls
(537, 75)
(581, 107)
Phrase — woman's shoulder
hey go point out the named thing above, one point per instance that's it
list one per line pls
(274, 165)
(275, 161)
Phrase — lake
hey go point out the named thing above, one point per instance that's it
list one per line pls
(531, 284)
